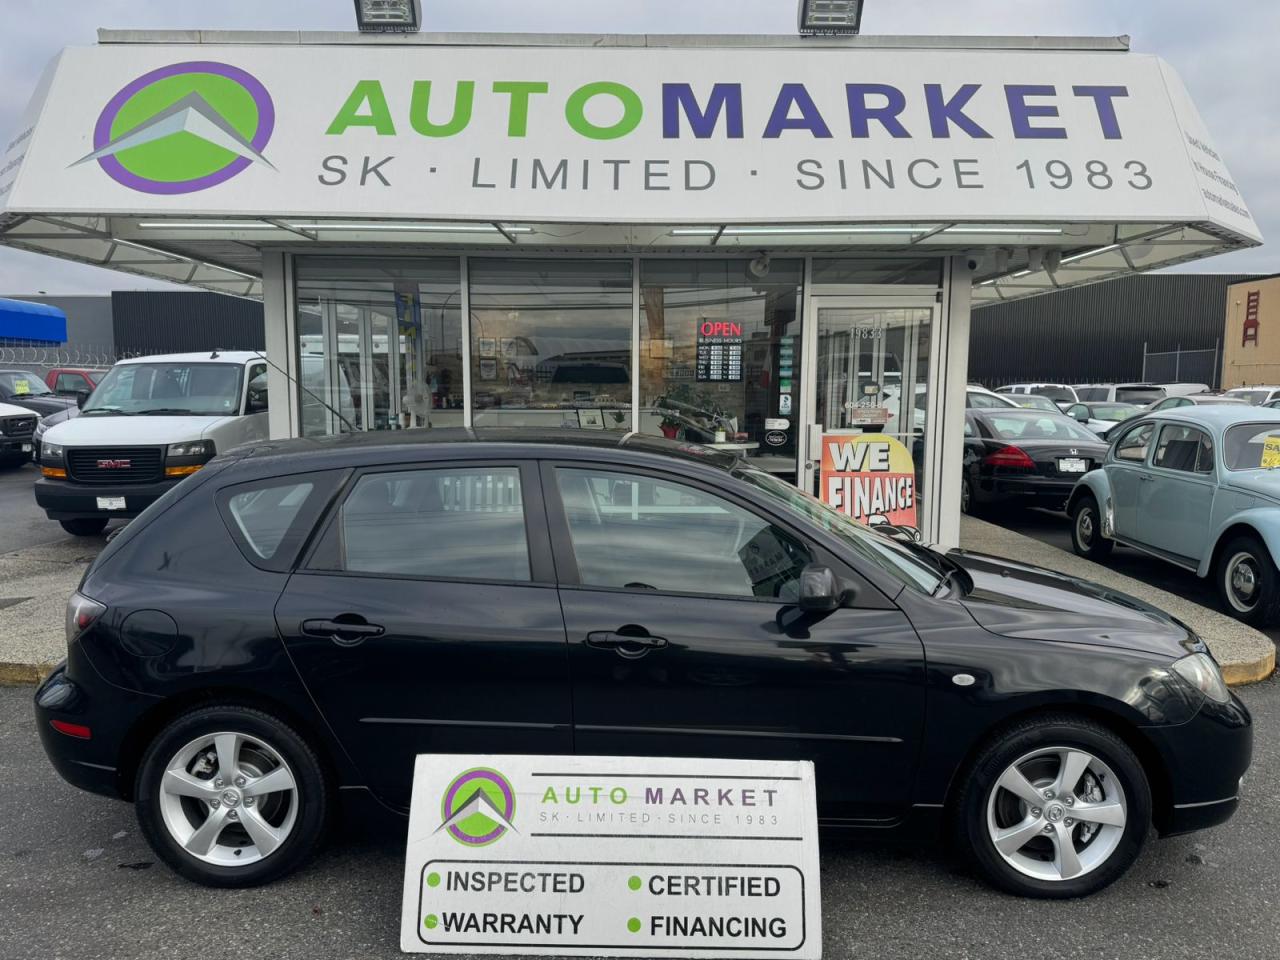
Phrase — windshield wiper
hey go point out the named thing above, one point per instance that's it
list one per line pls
(163, 411)
(110, 411)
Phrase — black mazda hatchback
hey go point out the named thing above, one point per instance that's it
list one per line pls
(278, 636)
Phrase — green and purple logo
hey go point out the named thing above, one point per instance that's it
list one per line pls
(478, 807)
(183, 128)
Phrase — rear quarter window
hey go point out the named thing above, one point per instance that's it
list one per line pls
(271, 519)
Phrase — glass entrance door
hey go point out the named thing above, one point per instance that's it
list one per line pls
(870, 373)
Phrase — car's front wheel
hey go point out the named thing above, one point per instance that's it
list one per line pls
(1055, 807)
(1248, 580)
(230, 796)
(1086, 529)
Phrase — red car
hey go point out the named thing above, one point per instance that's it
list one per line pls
(68, 381)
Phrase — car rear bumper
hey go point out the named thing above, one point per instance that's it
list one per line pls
(68, 500)
(1048, 489)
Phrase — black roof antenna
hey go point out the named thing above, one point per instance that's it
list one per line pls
(214, 355)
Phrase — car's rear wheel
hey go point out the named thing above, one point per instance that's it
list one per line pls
(1053, 808)
(229, 796)
(1086, 529)
(1247, 580)
(966, 496)
(84, 527)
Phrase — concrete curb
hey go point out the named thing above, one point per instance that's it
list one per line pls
(21, 674)
(1245, 655)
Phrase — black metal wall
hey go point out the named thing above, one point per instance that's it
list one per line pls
(1095, 333)
(163, 321)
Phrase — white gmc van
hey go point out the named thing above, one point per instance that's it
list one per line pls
(149, 423)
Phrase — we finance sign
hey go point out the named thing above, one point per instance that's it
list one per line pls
(616, 135)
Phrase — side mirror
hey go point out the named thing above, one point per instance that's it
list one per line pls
(82, 397)
(820, 591)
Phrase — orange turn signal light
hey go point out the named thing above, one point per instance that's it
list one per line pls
(58, 473)
(181, 471)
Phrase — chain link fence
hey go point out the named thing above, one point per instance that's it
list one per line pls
(1181, 366)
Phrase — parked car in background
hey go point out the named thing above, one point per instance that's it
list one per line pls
(1138, 394)
(72, 381)
(1101, 417)
(22, 388)
(1258, 396)
(476, 592)
(1196, 486)
(1195, 400)
(1184, 389)
(151, 422)
(1060, 393)
(51, 420)
(17, 431)
(1025, 457)
(1034, 401)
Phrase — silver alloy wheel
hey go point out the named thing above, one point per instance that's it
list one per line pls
(1243, 581)
(1056, 814)
(228, 799)
(1085, 527)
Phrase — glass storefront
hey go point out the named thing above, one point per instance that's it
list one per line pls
(720, 355)
(701, 349)
(551, 343)
(379, 343)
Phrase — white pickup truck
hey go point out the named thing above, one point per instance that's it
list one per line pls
(151, 422)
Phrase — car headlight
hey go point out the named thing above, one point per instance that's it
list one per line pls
(50, 451)
(1200, 670)
(191, 450)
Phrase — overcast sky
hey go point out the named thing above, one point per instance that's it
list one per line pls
(1225, 53)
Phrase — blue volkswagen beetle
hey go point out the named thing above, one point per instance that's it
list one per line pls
(1198, 486)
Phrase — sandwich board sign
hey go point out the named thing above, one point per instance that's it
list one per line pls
(612, 856)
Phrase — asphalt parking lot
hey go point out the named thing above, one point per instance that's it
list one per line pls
(24, 523)
(79, 882)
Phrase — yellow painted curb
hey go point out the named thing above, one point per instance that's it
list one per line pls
(22, 673)
(1239, 674)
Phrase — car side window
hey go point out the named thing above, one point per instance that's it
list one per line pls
(70, 383)
(1132, 447)
(458, 523)
(1184, 448)
(623, 528)
(256, 389)
(968, 428)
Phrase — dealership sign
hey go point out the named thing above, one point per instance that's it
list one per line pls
(612, 856)
(675, 135)
(869, 477)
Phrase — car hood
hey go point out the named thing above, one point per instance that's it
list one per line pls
(9, 410)
(128, 431)
(43, 404)
(1026, 602)
(1262, 483)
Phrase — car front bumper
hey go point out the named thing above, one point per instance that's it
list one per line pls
(1205, 761)
(11, 447)
(68, 500)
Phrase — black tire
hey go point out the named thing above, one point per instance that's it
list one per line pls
(1051, 734)
(85, 526)
(312, 796)
(1086, 529)
(1249, 557)
(967, 505)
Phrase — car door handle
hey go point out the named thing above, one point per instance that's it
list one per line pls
(625, 645)
(346, 631)
(1146, 477)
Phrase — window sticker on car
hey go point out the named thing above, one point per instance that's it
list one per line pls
(1271, 452)
(21, 386)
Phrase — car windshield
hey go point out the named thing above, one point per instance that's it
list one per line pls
(1139, 395)
(1008, 427)
(1252, 446)
(1114, 412)
(1054, 392)
(18, 383)
(1087, 394)
(1251, 396)
(177, 388)
(899, 561)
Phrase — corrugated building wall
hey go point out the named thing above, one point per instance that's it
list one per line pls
(1096, 333)
(163, 321)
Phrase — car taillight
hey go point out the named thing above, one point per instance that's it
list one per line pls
(1010, 456)
(81, 613)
